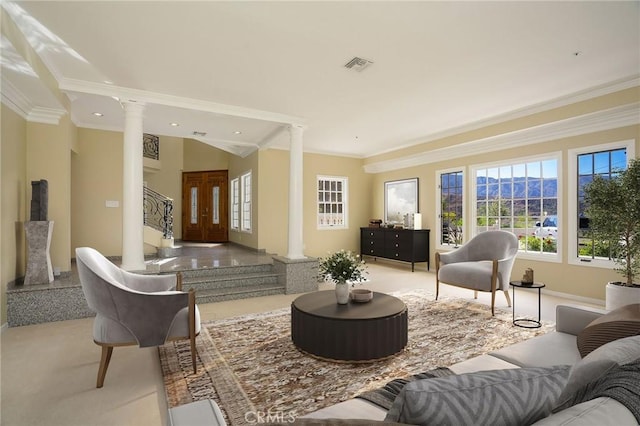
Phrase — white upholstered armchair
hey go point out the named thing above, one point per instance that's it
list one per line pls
(134, 309)
(482, 264)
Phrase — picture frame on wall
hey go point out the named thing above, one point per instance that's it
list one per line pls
(400, 198)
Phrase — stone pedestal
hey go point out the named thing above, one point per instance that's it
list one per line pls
(297, 275)
(39, 270)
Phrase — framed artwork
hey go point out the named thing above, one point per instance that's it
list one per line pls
(400, 198)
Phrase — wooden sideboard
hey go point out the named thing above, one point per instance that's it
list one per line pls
(406, 245)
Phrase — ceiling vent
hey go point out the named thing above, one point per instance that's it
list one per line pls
(358, 64)
(201, 134)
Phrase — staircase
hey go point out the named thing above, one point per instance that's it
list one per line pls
(232, 282)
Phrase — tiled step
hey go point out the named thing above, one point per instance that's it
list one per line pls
(235, 293)
(232, 283)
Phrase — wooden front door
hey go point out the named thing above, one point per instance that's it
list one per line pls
(205, 206)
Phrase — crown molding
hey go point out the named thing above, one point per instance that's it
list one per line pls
(126, 94)
(22, 105)
(46, 115)
(583, 95)
(625, 115)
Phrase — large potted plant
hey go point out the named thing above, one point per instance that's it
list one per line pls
(343, 268)
(613, 209)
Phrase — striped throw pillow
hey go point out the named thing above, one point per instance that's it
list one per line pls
(499, 397)
(614, 325)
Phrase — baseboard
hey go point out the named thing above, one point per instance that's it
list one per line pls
(581, 299)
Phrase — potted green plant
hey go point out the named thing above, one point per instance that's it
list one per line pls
(343, 268)
(613, 209)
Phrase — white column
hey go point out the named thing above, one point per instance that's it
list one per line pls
(295, 250)
(132, 197)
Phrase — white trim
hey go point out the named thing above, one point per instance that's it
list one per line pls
(621, 116)
(556, 155)
(572, 169)
(345, 203)
(581, 299)
(46, 115)
(235, 180)
(126, 93)
(13, 98)
(593, 92)
(4, 327)
(243, 180)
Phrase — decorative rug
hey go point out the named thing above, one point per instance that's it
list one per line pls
(249, 365)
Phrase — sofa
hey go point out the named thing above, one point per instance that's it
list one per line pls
(587, 344)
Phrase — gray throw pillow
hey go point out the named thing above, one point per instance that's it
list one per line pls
(498, 397)
(597, 364)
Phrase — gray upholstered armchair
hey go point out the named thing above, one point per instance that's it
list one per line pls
(482, 264)
(135, 309)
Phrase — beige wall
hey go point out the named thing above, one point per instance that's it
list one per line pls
(13, 206)
(274, 199)
(561, 277)
(237, 167)
(200, 157)
(96, 172)
(97, 178)
(84, 170)
(49, 157)
(318, 242)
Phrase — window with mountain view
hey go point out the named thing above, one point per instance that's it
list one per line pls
(590, 164)
(520, 197)
(451, 209)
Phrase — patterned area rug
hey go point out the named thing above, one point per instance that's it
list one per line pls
(249, 365)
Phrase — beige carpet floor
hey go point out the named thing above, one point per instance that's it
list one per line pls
(248, 364)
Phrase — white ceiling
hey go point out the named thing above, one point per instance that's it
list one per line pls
(255, 67)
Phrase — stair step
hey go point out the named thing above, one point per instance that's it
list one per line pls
(225, 271)
(235, 293)
(230, 282)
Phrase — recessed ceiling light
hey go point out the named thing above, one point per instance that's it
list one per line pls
(174, 124)
(98, 114)
(237, 132)
(108, 82)
(116, 98)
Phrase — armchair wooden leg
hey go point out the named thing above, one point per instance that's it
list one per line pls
(494, 282)
(493, 303)
(475, 294)
(192, 328)
(506, 294)
(437, 274)
(104, 364)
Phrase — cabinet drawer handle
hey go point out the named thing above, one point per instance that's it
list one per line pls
(371, 234)
(397, 255)
(397, 235)
(397, 245)
(371, 242)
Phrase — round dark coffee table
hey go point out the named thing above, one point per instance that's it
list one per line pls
(355, 332)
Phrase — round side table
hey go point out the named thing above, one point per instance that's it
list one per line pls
(526, 322)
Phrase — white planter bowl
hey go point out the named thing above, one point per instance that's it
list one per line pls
(618, 295)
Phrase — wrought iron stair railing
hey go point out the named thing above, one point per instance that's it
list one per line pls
(158, 212)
